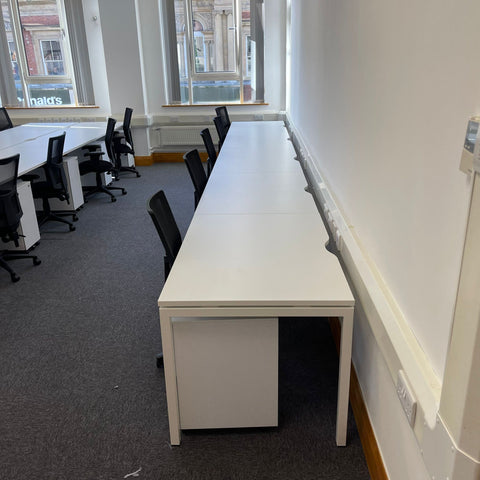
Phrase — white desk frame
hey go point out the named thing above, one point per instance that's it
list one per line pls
(346, 317)
(213, 280)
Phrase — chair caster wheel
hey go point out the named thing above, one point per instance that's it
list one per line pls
(138, 175)
(124, 192)
(72, 228)
(75, 218)
(114, 199)
(15, 278)
(36, 261)
(159, 358)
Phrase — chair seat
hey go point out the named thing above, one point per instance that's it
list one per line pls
(95, 166)
(121, 147)
(44, 190)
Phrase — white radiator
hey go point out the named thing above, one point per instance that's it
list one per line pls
(183, 135)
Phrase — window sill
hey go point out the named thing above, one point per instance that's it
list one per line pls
(226, 104)
(53, 107)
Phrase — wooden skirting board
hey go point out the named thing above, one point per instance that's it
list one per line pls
(365, 430)
(164, 157)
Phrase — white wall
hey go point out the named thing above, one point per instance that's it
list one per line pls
(93, 30)
(381, 93)
(122, 55)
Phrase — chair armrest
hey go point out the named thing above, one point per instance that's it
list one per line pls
(96, 154)
(91, 148)
(29, 177)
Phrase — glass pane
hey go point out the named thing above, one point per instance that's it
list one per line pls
(214, 33)
(220, 91)
(52, 57)
(42, 37)
(51, 94)
(12, 48)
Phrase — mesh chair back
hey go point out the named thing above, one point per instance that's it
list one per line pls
(223, 114)
(208, 142)
(54, 173)
(127, 132)
(222, 133)
(109, 139)
(10, 209)
(5, 121)
(196, 171)
(212, 154)
(166, 226)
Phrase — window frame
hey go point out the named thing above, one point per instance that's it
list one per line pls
(178, 67)
(26, 80)
(190, 42)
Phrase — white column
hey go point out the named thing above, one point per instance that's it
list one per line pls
(218, 42)
(460, 399)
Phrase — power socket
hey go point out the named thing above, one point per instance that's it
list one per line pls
(407, 398)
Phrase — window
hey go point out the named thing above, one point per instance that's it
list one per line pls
(35, 36)
(213, 50)
(53, 63)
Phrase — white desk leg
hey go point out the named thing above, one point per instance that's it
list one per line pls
(344, 377)
(170, 377)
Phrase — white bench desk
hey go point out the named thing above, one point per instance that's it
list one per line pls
(31, 140)
(255, 249)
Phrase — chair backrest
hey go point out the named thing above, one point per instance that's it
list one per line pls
(166, 226)
(208, 142)
(127, 132)
(197, 172)
(54, 173)
(222, 133)
(222, 112)
(109, 139)
(10, 209)
(5, 121)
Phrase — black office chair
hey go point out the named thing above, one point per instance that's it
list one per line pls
(169, 234)
(212, 154)
(123, 145)
(197, 173)
(54, 185)
(10, 214)
(222, 112)
(99, 165)
(222, 132)
(5, 121)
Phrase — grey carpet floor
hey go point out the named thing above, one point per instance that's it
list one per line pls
(80, 395)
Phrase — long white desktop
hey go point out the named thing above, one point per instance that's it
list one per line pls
(254, 251)
(31, 140)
